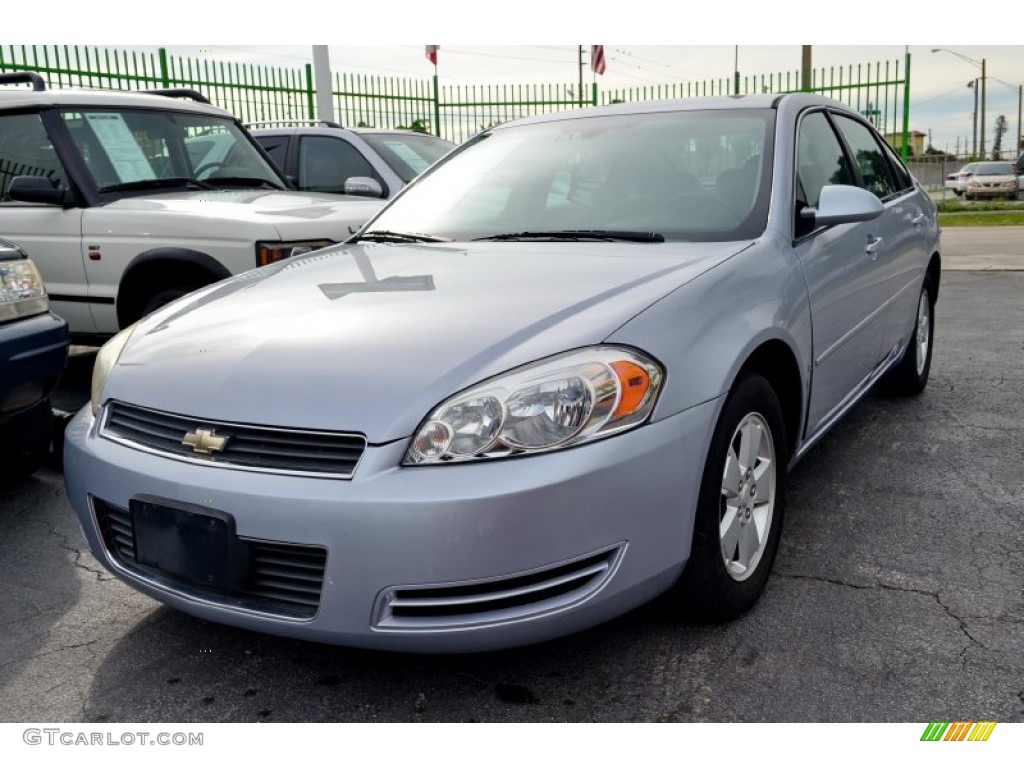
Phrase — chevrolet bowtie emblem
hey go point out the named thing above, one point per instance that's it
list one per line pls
(204, 441)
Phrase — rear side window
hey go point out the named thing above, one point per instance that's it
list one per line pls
(25, 150)
(899, 171)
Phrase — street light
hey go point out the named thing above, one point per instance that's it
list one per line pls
(980, 64)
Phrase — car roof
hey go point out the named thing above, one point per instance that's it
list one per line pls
(754, 101)
(330, 129)
(21, 98)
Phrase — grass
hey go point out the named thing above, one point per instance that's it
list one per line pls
(954, 205)
(995, 219)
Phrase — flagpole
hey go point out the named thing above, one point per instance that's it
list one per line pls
(437, 105)
(579, 57)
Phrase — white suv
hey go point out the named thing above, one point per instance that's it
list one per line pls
(127, 201)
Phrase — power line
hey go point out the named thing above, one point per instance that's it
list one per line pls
(661, 64)
(449, 50)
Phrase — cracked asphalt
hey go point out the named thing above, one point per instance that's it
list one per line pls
(896, 596)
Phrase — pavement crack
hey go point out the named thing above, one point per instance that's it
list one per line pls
(101, 575)
(960, 621)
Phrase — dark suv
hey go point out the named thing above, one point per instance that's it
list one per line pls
(33, 352)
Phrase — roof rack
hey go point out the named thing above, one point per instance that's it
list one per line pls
(278, 123)
(180, 93)
(38, 84)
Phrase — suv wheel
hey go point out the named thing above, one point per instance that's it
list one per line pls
(166, 296)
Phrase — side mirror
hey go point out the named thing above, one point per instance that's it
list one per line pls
(363, 186)
(36, 189)
(843, 204)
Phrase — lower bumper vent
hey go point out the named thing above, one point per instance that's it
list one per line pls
(495, 600)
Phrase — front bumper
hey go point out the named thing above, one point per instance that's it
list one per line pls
(601, 528)
(33, 353)
(991, 191)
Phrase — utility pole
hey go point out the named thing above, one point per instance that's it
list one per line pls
(322, 78)
(736, 70)
(805, 68)
(974, 116)
(984, 96)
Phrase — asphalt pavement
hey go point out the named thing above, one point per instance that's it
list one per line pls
(896, 595)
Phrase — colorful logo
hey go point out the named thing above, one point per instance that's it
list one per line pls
(958, 731)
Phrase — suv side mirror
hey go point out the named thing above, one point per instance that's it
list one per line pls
(843, 204)
(363, 186)
(36, 189)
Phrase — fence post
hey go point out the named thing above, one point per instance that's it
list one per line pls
(593, 93)
(165, 79)
(437, 108)
(904, 145)
(310, 108)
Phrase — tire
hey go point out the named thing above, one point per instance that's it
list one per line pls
(721, 579)
(164, 297)
(910, 375)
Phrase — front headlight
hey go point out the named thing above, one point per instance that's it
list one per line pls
(106, 359)
(22, 292)
(555, 403)
(267, 252)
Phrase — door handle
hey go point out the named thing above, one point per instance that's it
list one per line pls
(872, 246)
(916, 221)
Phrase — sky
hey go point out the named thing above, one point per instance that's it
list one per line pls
(525, 41)
(940, 99)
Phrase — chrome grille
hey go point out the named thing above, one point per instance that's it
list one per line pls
(284, 579)
(269, 449)
(498, 599)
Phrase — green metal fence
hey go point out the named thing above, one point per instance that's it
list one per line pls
(879, 91)
(259, 94)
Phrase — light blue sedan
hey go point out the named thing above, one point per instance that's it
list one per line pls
(564, 371)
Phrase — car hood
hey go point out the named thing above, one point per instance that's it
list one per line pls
(370, 338)
(274, 207)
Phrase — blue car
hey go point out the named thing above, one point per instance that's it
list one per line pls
(566, 369)
(33, 353)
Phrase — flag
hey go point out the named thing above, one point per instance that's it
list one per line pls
(432, 53)
(597, 59)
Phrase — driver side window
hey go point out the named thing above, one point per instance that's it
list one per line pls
(820, 158)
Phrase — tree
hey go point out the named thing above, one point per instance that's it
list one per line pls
(997, 145)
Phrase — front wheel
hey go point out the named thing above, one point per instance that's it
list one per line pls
(741, 503)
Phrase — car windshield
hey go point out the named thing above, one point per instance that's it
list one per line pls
(408, 155)
(154, 148)
(994, 169)
(684, 175)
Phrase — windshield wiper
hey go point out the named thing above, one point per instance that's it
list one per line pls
(241, 181)
(387, 236)
(607, 235)
(163, 183)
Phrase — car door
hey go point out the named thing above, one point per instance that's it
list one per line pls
(900, 258)
(844, 284)
(50, 234)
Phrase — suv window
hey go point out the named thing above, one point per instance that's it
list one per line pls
(325, 163)
(25, 150)
(407, 155)
(135, 146)
(276, 147)
(874, 170)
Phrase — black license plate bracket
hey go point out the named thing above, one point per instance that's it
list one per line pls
(189, 542)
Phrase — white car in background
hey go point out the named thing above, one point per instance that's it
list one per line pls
(957, 181)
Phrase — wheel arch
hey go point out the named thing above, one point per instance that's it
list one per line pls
(775, 360)
(161, 268)
(935, 272)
